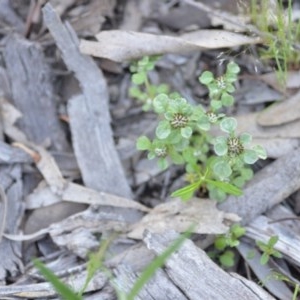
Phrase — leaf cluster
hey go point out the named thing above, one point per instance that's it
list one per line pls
(224, 242)
(182, 136)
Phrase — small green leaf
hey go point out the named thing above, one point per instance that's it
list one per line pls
(264, 258)
(59, 286)
(227, 100)
(162, 163)
(220, 243)
(260, 151)
(206, 77)
(160, 103)
(162, 89)
(215, 104)
(277, 254)
(138, 78)
(245, 138)
(246, 173)
(232, 67)
(222, 169)
(226, 187)
(175, 157)
(273, 240)
(238, 231)
(163, 129)
(228, 124)
(221, 149)
(143, 143)
(186, 132)
(151, 155)
(187, 192)
(227, 259)
(230, 88)
(239, 181)
(250, 157)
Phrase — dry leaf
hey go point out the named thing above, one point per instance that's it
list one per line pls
(120, 45)
(73, 192)
(281, 113)
(178, 216)
(277, 147)
(248, 123)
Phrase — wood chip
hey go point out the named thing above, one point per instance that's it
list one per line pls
(121, 46)
(32, 92)
(178, 216)
(190, 264)
(103, 163)
(281, 113)
(269, 187)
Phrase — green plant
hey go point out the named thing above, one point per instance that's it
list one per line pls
(281, 277)
(268, 249)
(182, 137)
(223, 242)
(141, 88)
(281, 35)
(96, 262)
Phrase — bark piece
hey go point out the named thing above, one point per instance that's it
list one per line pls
(118, 45)
(9, 155)
(95, 148)
(158, 287)
(269, 187)
(32, 92)
(197, 276)
(11, 250)
(262, 229)
(178, 216)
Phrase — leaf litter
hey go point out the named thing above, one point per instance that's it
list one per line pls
(32, 165)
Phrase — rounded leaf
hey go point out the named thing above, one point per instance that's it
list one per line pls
(222, 169)
(228, 124)
(227, 259)
(163, 129)
(221, 149)
(138, 78)
(239, 181)
(250, 157)
(160, 103)
(143, 143)
(162, 163)
(215, 104)
(245, 138)
(232, 67)
(220, 243)
(260, 151)
(186, 132)
(206, 77)
(247, 173)
(227, 100)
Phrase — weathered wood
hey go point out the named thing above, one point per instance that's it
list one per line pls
(197, 276)
(159, 287)
(11, 250)
(262, 229)
(9, 155)
(8, 15)
(32, 92)
(276, 287)
(93, 144)
(269, 187)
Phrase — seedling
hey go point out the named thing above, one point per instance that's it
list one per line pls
(282, 34)
(224, 242)
(96, 262)
(182, 137)
(268, 249)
